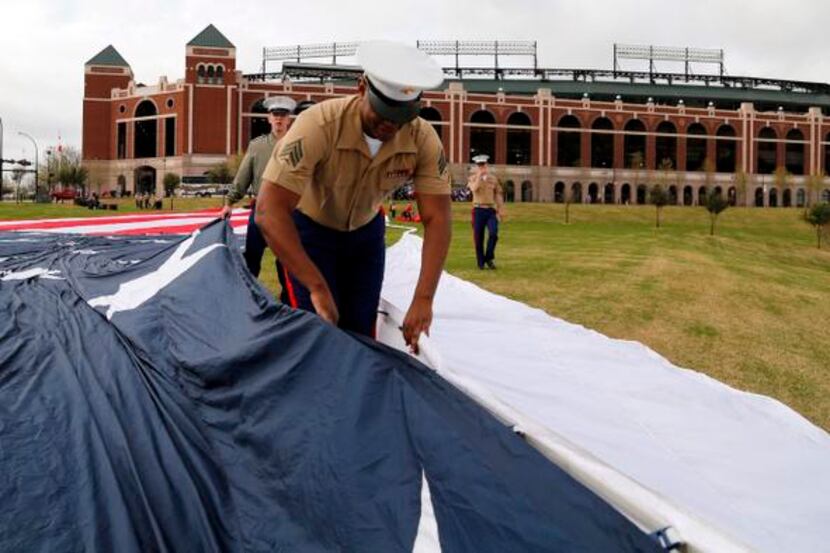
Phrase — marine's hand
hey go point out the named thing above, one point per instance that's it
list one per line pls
(324, 305)
(226, 212)
(418, 319)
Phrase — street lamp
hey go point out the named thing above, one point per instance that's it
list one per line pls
(37, 166)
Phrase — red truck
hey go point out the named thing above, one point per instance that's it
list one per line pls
(64, 194)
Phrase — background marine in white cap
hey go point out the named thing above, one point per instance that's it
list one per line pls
(250, 172)
(319, 205)
(488, 209)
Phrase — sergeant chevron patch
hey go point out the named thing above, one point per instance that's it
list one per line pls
(293, 153)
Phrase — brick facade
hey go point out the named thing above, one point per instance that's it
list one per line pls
(736, 152)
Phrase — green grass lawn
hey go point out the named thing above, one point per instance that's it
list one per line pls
(748, 306)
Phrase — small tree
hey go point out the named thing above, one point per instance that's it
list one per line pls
(221, 173)
(171, 183)
(660, 198)
(17, 177)
(715, 205)
(814, 184)
(819, 217)
(73, 174)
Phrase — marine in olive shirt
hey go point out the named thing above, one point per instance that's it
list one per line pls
(319, 204)
(250, 172)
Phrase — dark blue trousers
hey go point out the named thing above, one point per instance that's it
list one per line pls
(485, 218)
(254, 246)
(351, 262)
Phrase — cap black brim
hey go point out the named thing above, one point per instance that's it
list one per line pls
(392, 110)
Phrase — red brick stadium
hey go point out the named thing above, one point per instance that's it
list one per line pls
(598, 136)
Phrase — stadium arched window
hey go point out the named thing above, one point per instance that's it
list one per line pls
(509, 191)
(634, 144)
(800, 198)
(825, 196)
(527, 191)
(569, 147)
(672, 195)
(666, 145)
(726, 149)
(200, 73)
(576, 193)
(559, 192)
(433, 116)
(211, 72)
(642, 194)
(602, 143)
(701, 195)
(688, 195)
(483, 135)
(144, 143)
(259, 124)
(518, 139)
(625, 194)
(759, 197)
(794, 152)
(767, 151)
(773, 197)
(146, 109)
(695, 147)
(608, 194)
(732, 196)
(786, 198)
(593, 193)
(220, 73)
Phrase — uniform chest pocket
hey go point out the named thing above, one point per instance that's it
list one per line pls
(396, 174)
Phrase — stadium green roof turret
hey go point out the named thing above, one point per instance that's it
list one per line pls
(210, 37)
(108, 56)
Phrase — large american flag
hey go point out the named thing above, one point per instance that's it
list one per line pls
(131, 224)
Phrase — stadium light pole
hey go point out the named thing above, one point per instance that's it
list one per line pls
(37, 163)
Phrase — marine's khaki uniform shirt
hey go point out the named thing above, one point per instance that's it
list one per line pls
(252, 166)
(324, 158)
(486, 190)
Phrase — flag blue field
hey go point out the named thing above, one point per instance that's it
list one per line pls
(154, 397)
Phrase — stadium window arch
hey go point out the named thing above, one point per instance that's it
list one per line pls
(634, 143)
(602, 143)
(483, 138)
(145, 143)
(794, 152)
(569, 142)
(518, 139)
(433, 116)
(527, 191)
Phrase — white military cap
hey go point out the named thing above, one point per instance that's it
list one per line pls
(396, 75)
(481, 158)
(277, 104)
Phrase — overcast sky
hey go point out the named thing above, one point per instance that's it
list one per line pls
(44, 43)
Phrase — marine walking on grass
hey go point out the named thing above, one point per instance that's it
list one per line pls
(488, 209)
